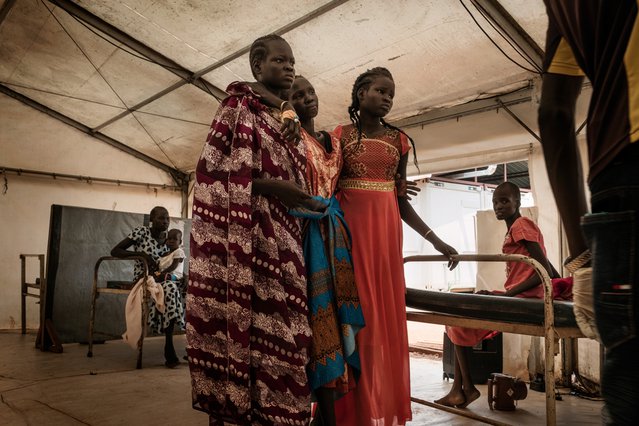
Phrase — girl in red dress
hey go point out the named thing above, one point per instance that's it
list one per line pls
(374, 152)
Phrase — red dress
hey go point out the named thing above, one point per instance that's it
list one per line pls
(369, 201)
(516, 273)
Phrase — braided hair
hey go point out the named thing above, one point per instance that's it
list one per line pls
(364, 81)
(259, 49)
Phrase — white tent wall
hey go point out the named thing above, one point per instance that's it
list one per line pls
(34, 141)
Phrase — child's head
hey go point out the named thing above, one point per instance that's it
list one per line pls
(272, 63)
(174, 239)
(303, 98)
(159, 218)
(373, 92)
(506, 200)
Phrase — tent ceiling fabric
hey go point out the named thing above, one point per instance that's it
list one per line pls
(437, 54)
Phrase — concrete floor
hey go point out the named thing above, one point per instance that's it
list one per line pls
(40, 388)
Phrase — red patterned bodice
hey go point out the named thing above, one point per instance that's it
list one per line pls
(374, 159)
(322, 168)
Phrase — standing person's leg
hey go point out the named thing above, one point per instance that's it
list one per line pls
(325, 407)
(619, 384)
(557, 129)
(173, 315)
(613, 233)
(559, 95)
(171, 359)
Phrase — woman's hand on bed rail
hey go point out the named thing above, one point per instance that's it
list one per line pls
(447, 251)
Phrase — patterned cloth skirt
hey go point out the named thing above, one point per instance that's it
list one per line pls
(335, 312)
(174, 309)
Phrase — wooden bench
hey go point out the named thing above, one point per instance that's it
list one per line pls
(547, 318)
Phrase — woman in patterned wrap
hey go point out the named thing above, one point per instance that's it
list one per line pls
(247, 315)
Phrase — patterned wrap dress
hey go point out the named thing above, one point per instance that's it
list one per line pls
(516, 272)
(335, 311)
(247, 315)
(368, 197)
(174, 309)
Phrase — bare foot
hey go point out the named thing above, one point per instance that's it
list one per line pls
(469, 397)
(452, 399)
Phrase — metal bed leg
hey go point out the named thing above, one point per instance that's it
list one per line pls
(549, 350)
(145, 320)
(23, 296)
(551, 409)
(94, 294)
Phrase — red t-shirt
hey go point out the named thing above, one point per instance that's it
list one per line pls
(517, 272)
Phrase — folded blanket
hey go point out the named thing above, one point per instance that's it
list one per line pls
(133, 308)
